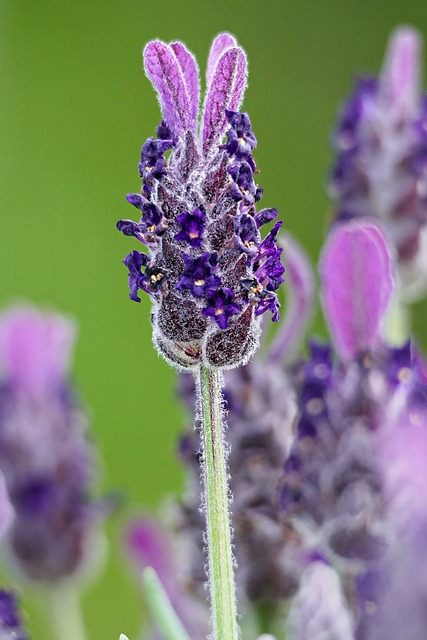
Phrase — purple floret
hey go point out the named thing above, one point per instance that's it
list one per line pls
(247, 236)
(265, 216)
(152, 164)
(221, 306)
(240, 138)
(10, 619)
(134, 262)
(267, 266)
(243, 187)
(192, 227)
(198, 275)
(261, 298)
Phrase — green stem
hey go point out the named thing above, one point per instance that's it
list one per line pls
(161, 607)
(221, 573)
(66, 613)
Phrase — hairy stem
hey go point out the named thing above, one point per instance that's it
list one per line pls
(221, 571)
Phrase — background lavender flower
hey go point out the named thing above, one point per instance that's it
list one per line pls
(45, 456)
(199, 220)
(332, 482)
(380, 143)
(11, 626)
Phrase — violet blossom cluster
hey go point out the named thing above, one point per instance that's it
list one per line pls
(381, 156)
(46, 457)
(206, 268)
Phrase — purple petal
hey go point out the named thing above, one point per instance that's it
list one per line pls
(301, 290)
(400, 78)
(222, 42)
(319, 610)
(357, 282)
(165, 73)
(225, 92)
(6, 509)
(190, 71)
(35, 348)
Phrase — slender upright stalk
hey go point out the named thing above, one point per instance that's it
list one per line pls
(162, 608)
(65, 612)
(221, 573)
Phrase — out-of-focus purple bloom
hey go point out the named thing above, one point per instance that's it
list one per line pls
(319, 610)
(300, 298)
(382, 154)
(199, 202)
(45, 456)
(11, 626)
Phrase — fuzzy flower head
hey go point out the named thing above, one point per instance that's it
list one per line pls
(381, 156)
(206, 268)
(45, 456)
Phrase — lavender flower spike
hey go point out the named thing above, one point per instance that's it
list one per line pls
(45, 456)
(357, 284)
(208, 272)
(380, 170)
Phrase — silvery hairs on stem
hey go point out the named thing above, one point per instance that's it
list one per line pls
(209, 274)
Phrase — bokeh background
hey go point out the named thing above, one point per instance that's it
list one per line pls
(75, 108)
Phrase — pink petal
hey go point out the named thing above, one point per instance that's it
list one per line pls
(400, 78)
(357, 284)
(35, 349)
(165, 73)
(222, 42)
(299, 307)
(225, 92)
(190, 71)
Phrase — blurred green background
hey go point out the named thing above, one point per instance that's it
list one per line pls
(75, 108)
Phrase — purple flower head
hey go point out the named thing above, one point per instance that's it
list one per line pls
(221, 307)
(192, 227)
(380, 144)
(240, 137)
(45, 455)
(11, 626)
(200, 202)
